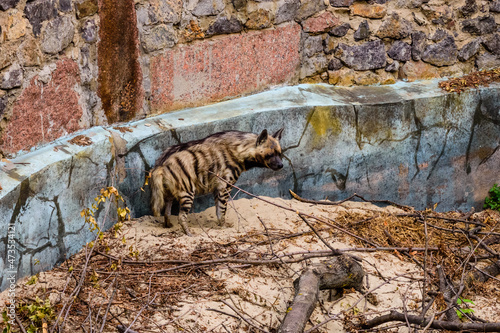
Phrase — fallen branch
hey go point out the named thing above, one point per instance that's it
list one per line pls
(339, 272)
(435, 324)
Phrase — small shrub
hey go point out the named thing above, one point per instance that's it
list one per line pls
(493, 201)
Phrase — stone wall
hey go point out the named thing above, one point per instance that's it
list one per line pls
(67, 65)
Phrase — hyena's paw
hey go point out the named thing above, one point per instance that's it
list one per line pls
(167, 223)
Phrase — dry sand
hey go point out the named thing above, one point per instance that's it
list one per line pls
(259, 293)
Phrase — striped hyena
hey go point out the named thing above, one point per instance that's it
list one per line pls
(209, 165)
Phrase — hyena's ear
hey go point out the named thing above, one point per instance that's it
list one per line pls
(261, 138)
(278, 133)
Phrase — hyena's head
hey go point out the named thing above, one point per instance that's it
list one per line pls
(269, 150)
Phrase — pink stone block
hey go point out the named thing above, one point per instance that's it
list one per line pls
(321, 23)
(45, 111)
(227, 66)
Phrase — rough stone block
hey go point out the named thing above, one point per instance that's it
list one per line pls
(13, 25)
(340, 31)
(165, 11)
(487, 61)
(309, 8)
(6, 4)
(418, 70)
(363, 31)
(320, 23)
(368, 11)
(12, 77)
(39, 11)
(469, 50)
(495, 6)
(313, 65)
(259, 19)
(441, 54)
(418, 45)
(480, 25)
(394, 27)
(492, 44)
(208, 7)
(341, 3)
(210, 70)
(312, 45)
(400, 51)
(287, 11)
(224, 25)
(88, 31)
(157, 37)
(45, 112)
(369, 55)
(8, 52)
(86, 8)
(57, 35)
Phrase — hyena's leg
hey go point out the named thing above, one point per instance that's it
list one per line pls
(185, 204)
(221, 197)
(168, 212)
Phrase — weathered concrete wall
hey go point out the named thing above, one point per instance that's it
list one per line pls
(409, 143)
(67, 65)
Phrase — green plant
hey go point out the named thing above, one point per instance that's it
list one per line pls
(6, 321)
(462, 312)
(40, 313)
(493, 201)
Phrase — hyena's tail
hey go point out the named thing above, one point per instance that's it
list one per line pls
(158, 191)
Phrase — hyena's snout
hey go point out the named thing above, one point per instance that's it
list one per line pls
(275, 163)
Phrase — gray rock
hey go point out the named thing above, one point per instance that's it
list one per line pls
(369, 55)
(6, 4)
(309, 8)
(208, 7)
(363, 31)
(418, 45)
(340, 31)
(487, 61)
(239, 4)
(492, 44)
(312, 45)
(495, 6)
(89, 31)
(400, 51)
(469, 8)
(313, 65)
(164, 11)
(469, 50)
(439, 35)
(65, 6)
(480, 25)
(394, 27)
(341, 3)
(287, 11)
(3, 105)
(158, 37)
(223, 25)
(12, 77)
(39, 11)
(335, 64)
(57, 35)
(394, 67)
(443, 53)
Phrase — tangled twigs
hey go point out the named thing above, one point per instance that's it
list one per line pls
(435, 324)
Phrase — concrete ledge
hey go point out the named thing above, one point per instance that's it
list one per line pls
(409, 142)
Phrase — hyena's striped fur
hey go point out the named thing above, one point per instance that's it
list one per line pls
(194, 168)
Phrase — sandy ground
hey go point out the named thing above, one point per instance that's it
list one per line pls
(261, 294)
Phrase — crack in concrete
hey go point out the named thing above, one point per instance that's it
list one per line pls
(440, 154)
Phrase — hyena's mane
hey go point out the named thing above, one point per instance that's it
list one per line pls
(232, 136)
